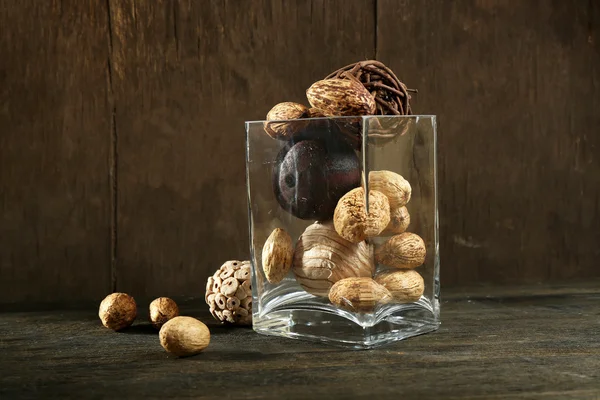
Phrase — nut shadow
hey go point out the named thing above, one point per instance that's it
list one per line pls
(223, 329)
(140, 329)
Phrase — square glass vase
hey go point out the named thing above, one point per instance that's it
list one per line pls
(320, 194)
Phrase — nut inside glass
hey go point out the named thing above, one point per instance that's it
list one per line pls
(405, 145)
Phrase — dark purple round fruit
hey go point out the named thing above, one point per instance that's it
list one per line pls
(310, 177)
(331, 129)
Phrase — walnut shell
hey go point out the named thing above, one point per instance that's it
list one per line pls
(341, 97)
(117, 311)
(359, 294)
(406, 286)
(277, 255)
(282, 112)
(184, 336)
(322, 257)
(393, 185)
(406, 250)
(229, 293)
(351, 220)
(162, 310)
(399, 221)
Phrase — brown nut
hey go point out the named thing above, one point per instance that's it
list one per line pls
(359, 294)
(282, 112)
(406, 286)
(341, 97)
(322, 258)
(406, 250)
(117, 311)
(393, 185)
(184, 336)
(351, 220)
(162, 310)
(315, 113)
(277, 255)
(399, 221)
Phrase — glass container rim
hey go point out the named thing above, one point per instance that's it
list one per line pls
(363, 117)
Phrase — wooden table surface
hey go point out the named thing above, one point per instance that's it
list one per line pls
(510, 343)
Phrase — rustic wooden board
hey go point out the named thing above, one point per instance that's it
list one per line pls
(54, 151)
(187, 75)
(515, 84)
(516, 87)
(538, 345)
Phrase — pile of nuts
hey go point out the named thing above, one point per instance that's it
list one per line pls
(337, 259)
(179, 335)
(317, 176)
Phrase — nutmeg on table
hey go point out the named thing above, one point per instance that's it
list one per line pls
(184, 336)
(161, 310)
(117, 311)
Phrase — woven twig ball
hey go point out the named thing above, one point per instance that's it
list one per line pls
(392, 96)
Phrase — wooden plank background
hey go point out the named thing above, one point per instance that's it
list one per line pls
(54, 151)
(122, 136)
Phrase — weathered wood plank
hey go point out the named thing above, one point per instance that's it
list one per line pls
(516, 85)
(54, 151)
(187, 75)
(542, 346)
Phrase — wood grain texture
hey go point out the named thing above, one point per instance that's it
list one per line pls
(187, 75)
(516, 87)
(540, 345)
(54, 151)
(122, 136)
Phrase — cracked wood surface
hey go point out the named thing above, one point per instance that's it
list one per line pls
(520, 343)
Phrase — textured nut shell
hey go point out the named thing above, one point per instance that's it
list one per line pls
(184, 336)
(351, 220)
(277, 255)
(359, 294)
(399, 221)
(117, 311)
(285, 111)
(406, 286)
(162, 310)
(406, 250)
(341, 97)
(322, 257)
(315, 113)
(394, 186)
(230, 299)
